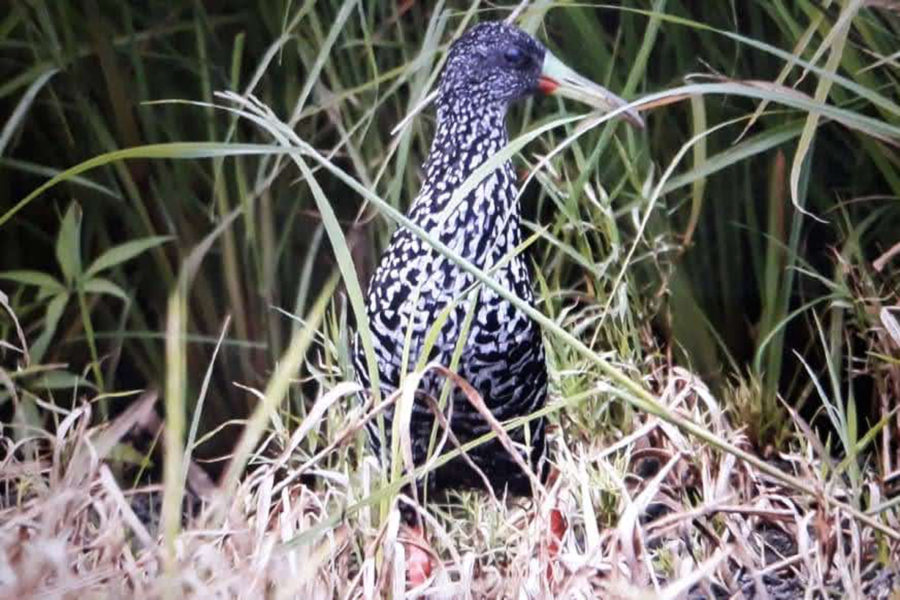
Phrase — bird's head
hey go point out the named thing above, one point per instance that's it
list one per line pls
(496, 64)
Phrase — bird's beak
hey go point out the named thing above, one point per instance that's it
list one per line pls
(557, 78)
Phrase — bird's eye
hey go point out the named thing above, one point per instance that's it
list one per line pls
(515, 56)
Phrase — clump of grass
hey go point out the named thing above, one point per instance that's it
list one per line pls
(686, 517)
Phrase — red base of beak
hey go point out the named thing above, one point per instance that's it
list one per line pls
(547, 85)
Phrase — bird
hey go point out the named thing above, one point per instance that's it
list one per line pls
(489, 68)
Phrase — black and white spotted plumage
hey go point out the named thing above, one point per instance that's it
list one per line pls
(489, 67)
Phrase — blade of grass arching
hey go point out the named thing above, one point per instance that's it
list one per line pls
(348, 273)
(284, 135)
(762, 142)
(839, 30)
(887, 105)
(848, 118)
(175, 150)
(777, 328)
(277, 387)
(21, 109)
(27, 77)
(842, 29)
(49, 172)
(121, 253)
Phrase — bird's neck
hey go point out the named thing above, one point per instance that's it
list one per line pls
(468, 133)
(488, 216)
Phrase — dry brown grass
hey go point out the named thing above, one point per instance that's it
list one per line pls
(652, 514)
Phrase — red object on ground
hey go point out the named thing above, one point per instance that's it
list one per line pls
(558, 528)
(418, 560)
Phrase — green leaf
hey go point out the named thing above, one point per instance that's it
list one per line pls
(36, 278)
(21, 110)
(750, 147)
(60, 380)
(124, 252)
(175, 150)
(68, 244)
(54, 313)
(127, 454)
(99, 285)
(48, 172)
